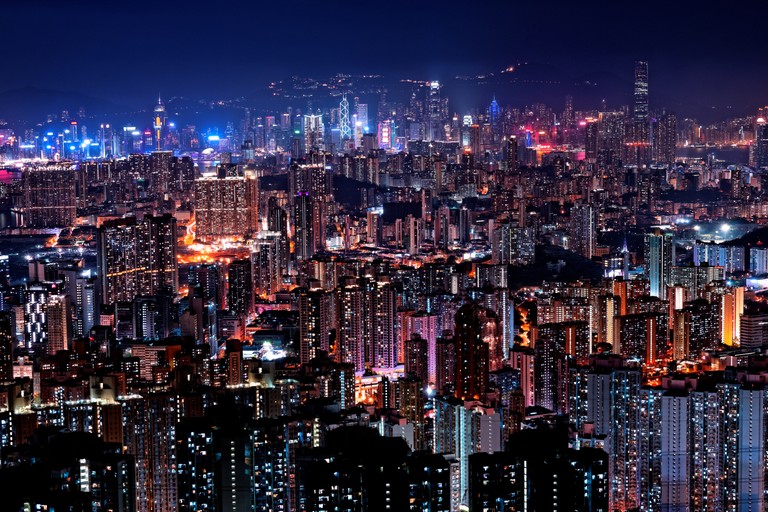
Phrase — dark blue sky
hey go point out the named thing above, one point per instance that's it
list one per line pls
(126, 51)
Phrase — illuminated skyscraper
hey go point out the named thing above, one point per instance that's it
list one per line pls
(346, 131)
(434, 112)
(159, 124)
(137, 257)
(665, 138)
(303, 227)
(48, 195)
(226, 207)
(471, 352)
(161, 168)
(641, 91)
(59, 323)
(314, 133)
(760, 149)
(659, 250)
(240, 287)
(583, 230)
(511, 150)
(315, 318)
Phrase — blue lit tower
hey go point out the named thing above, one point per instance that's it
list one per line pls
(159, 123)
(494, 113)
(344, 128)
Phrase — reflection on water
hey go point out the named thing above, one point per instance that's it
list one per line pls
(730, 155)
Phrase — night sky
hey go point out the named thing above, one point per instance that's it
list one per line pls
(127, 51)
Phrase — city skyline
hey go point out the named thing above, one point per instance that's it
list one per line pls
(254, 45)
(477, 279)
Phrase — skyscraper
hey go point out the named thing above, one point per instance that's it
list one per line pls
(659, 251)
(225, 207)
(48, 195)
(303, 227)
(638, 140)
(314, 133)
(159, 123)
(240, 287)
(760, 150)
(136, 257)
(434, 112)
(641, 91)
(471, 352)
(344, 127)
(315, 324)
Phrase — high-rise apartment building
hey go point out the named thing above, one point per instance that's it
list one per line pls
(225, 208)
(137, 257)
(48, 195)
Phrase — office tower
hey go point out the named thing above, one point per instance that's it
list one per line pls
(472, 352)
(136, 257)
(226, 208)
(59, 323)
(583, 231)
(145, 318)
(638, 148)
(240, 287)
(304, 227)
(640, 110)
(315, 323)
(314, 133)
(760, 148)
(434, 112)
(659, 252)
(48, 195)
(511, 150)
(159, 123)
(346, 131)
(277, 219)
